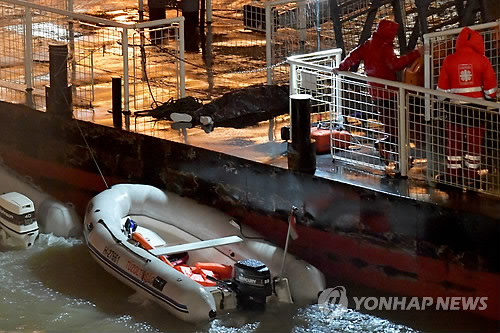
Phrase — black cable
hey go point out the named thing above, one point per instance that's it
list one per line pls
(247, 237)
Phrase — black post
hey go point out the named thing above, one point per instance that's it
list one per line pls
(156, 12)
(58, 94)
(190, 11)
(301, 149)
(116, 95)
(337, 24)
(202, 28)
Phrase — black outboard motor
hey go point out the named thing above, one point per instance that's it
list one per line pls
(252, 281)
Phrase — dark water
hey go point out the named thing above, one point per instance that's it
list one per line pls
(57, 287)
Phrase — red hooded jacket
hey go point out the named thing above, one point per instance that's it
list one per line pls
(378, 56)
(468, 72)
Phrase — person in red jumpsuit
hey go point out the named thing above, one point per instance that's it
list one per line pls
(467, 72)
(380, 61)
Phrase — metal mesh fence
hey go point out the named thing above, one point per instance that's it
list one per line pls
(231, 53)
(370, 121)
(458, 146)
(155, 67)
(441, 15)
(364, 116)
(384, 125)
(318, 82)
(12, 73)
(298, 27)
(60, 4)
(354, 15)
(97, 50)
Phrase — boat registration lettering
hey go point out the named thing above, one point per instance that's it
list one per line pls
(145, 276)
(111, 255)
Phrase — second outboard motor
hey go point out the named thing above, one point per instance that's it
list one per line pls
(252, 281)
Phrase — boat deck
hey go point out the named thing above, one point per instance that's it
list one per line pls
(254, 144)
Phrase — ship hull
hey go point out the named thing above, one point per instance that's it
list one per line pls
(363, 235)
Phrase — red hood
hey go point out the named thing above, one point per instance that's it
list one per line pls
(386, 30)
(469, 38)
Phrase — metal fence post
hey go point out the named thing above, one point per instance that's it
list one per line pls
(336, 92)
(92, 81)
(71, 32)
(269, 70)
(427, 112)
(209, 11)
(403, 139)
(318, 26)
(143, 42)
(302, 25)
(181, 56)
(28, 57)
(116, 95)
(269, 32)
(293, 79)
(126, 93)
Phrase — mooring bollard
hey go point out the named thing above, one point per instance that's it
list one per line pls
(116, 95)
(156, 12)
(59, 99)
(301, 149)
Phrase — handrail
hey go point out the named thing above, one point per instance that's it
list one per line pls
(444, 95)
(457, 30)
(303, 60)
(93, 19)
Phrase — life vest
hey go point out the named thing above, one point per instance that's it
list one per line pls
(197, 273)
(201, 270)
(221, 271)
(138, 237)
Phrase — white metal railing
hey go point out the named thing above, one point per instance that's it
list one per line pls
(98, 49)
(318, 81)
(420, 121)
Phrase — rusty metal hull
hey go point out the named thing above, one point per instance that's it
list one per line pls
(375, 237)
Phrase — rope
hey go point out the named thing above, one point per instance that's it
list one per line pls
(91, 154)
(181, 105)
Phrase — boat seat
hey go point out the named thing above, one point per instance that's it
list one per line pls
(152, 237)
(196, 245)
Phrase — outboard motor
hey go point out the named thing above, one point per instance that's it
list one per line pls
(252, 282)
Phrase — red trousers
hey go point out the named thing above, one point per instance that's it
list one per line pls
(464, 150)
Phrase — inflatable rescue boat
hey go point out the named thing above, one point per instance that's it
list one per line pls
(191, 259)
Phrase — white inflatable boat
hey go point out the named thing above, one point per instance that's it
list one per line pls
(191, 259)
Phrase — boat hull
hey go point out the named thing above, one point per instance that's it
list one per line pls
(171, 216)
